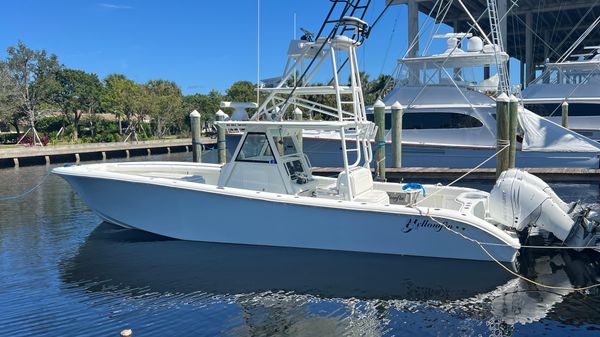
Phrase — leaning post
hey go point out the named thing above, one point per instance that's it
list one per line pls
(397, 112)
(196, 133)
(502, 115)
(512, 130)
(221, 144)
(565, 114)
(379, 107)
(298, 117)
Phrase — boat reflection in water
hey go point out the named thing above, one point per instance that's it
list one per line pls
(282, 283)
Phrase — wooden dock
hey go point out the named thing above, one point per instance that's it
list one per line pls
(445, 174)
(38, 155)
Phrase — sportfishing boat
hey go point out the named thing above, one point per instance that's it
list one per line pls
(449, 115)
(267, 195)
(575, 83)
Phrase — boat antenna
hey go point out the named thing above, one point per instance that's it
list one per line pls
(258, 52)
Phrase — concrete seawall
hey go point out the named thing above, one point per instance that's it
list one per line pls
(26, 156)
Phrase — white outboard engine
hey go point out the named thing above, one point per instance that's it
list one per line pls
(523, 201)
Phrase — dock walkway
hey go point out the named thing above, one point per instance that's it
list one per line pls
(38, 155)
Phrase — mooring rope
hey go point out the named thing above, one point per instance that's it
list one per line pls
(467, 173)
(27, 192)
(514, 273)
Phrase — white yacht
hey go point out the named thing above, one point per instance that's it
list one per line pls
(575, 82)
(266, 195)
(449, 118)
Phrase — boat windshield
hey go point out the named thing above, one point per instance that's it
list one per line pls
(470, 77)
(285, 144)
(256, 149)
(571, 73)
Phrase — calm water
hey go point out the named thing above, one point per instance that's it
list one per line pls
(64, 273)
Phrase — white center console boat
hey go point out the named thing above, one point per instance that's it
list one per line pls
(267, 194)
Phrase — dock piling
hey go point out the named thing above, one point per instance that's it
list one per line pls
(196, 134)
(512, 130)
(565, 114)
(298, 117)
(397, 112)
(502, 137)
(380, 140)
(221, 145)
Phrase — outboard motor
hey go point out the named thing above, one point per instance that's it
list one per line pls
(523, 201)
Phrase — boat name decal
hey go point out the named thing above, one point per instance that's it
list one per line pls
(416, 223)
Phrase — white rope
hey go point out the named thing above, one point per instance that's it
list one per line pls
(468, 172)
(29, 191)
(514, 273)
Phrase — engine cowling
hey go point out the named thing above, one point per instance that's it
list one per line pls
(521, 200)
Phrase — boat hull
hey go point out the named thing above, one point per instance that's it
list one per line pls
(325, 152)
(211, 215)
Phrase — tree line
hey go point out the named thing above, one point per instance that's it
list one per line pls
(36, 90)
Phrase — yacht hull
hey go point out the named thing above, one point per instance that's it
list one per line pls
(325, 152)
(201, 212)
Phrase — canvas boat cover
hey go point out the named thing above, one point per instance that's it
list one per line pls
(541, 134)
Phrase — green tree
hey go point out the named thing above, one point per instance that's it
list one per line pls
(9, 110)
(117, 97)
(165, 99)
(241, 91)
(206, 104)
(34, 76)
(78, 92)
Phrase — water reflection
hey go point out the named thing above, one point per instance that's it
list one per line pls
(276, 285)
(61, 273)
(137, 259)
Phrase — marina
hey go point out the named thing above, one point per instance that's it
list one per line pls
(24, 156)
(444, 197)
(64, 269)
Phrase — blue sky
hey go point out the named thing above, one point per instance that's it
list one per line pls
(201, 45)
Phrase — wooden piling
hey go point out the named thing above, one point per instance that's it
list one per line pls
(397, 113)
(513, 109)
(221, 144)
(298, 117)
(380, 140)
(502, 126)
(565, 114)
(196, 134)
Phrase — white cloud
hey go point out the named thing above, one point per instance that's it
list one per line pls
(113, 6)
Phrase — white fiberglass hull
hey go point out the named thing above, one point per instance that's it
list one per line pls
(326, 152)
(203, 212)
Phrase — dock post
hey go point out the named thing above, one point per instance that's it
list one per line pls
(380, 140)
(47, 158)
(298, 117)
(77, 158)
(196, 133)
(397, 112)
(221, 144)
(565, 114)
(16, 162)
(512, 131)
(502, 103)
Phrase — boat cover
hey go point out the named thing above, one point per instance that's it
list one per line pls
(556, 93)
(541, 134)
